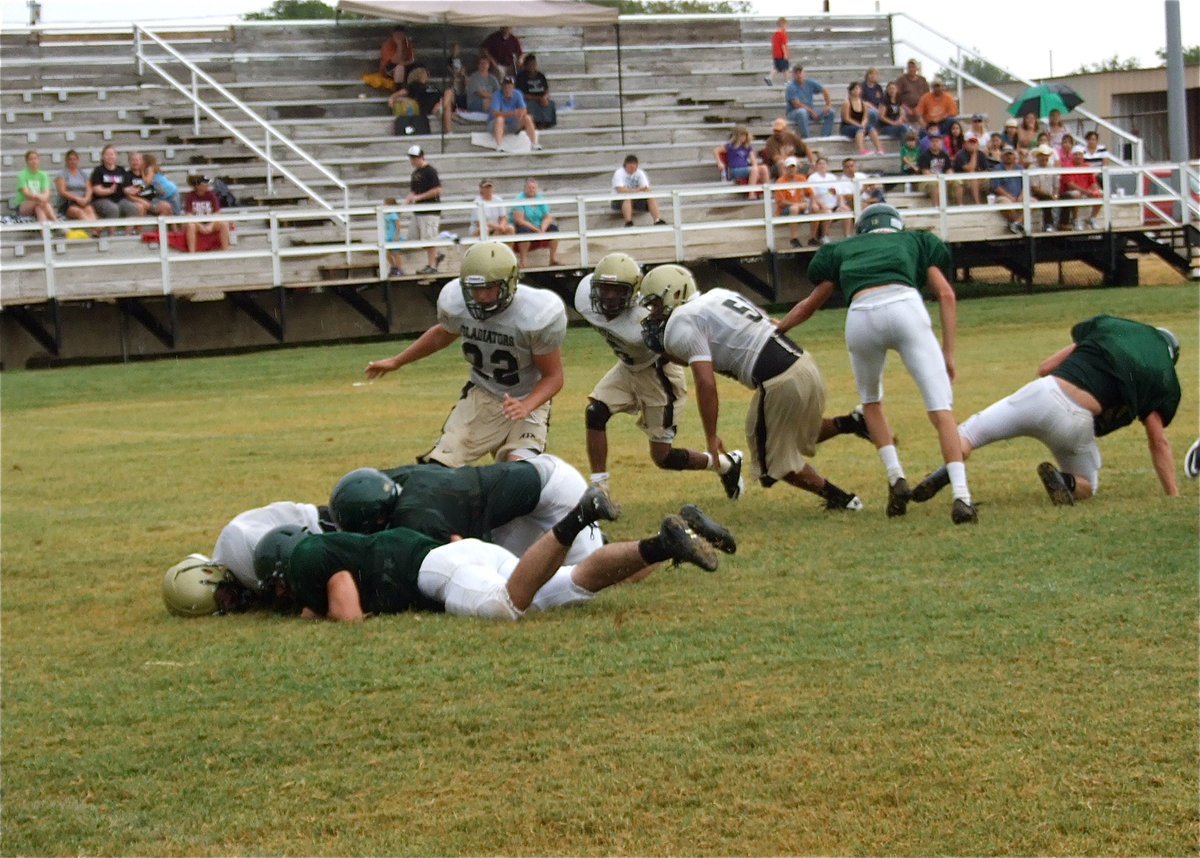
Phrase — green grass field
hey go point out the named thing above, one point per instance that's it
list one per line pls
(845, 684)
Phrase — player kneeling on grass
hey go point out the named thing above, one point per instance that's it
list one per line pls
(643, 382)
(347, 576)
(879, 272)
(1116, 370)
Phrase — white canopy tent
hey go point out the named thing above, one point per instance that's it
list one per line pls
(496, 13)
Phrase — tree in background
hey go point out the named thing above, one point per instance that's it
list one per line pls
(1191, 55)
(981, 70)
(678, 7)
(297, 10)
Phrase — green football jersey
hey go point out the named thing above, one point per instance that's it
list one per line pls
(384, 566)
(1127, 366)
(469, 501)
(879, 259)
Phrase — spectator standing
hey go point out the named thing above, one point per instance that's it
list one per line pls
(933, 162)
(780, 52)
(1009, 189)
(492, 212)
(512, 338)
(34, 190)
(164, 198)
(480, 87)
(504, 50)
(108, 181)
(790, 202)
(536, 89)
(970, 160)
(424, 187)
(891, 113)
(397, 56)
(938, 106)
(910, 87)
(630, 178)
(800, 100)
(783, 143)
(508, 114)
(534, 219)
(74, 192)
(202, 202)
(857, 122)
(1056, 129)
(1095, 153)
(737, 161)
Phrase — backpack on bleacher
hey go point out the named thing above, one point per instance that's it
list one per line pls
(228, 200)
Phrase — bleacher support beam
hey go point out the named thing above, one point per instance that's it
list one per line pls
(244, 302)
(737, 269)
(50, 340)
(351, 295)
(136, 309)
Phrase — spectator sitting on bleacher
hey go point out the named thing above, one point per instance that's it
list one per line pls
(629, 178)
(1011, 136)
(869, 192)
(491, 212)
(458, 77)
(1064, 149)
(891, 113)
(480, 87)
(429, 99)
(33, 190)
(536, 89)
(138, 189)
(930, 132)
(508, 113)
(108, 182)
(790, 202)
(970, 159)
(1056, 128)
(534, 220)
(1009, 189)
(396, 56)
(872, 92)
(825, 198)
(1078, 185)
(910, 86)
(933, 162)
(910, 154)
(800, 101)
(1027, 132)
(1043, 139)
(738, 163)
(857, 121)
(504, 50)
(1044, 186)
(938, 106)
(956, 138)
(74, 192)
(1095, 153)
(979, 128)
(165, 200)
(995, 145)
(782, 144)
(202, 202)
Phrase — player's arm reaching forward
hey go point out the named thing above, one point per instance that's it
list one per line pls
(433, 340)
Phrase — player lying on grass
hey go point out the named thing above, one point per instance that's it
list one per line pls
(348, 576)
(1115, 371)
(509, 503)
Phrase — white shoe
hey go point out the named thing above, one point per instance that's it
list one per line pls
(537, 146)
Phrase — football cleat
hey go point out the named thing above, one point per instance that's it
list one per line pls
(684, 545)
(931, 485)
(597, 505)
(854, 423)
(851, 503)
(732, 479)
(1191, 461)
(1055, 485)
(717, 534)
(899, 495)
(963, 512)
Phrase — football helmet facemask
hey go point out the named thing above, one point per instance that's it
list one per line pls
(614, 284)
(489, 264)
(273, 554)
(190, 586)
(879, 217)
(363, 501)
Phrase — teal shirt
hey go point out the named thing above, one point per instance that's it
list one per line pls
(1126, 365)
(469, 502)
(385, 566)
(880, 259)
(534, 214)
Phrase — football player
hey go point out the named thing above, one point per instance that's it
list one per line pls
(512, 338)
(879, 271)
(642, 382)
(347, 576)
(720, 331)
(1115, 371)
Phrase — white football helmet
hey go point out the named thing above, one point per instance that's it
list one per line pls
(190, 586)
(1191, 461)
(663, 289)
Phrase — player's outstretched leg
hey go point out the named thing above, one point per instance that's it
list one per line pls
(931, 485)
(717, 534)
(680, 543)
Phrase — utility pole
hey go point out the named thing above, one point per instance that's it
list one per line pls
(1177, 132)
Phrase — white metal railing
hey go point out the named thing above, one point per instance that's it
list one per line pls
(1160, 196)
(270, 133)
(956, 65)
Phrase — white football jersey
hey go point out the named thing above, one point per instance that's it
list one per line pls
(235, 545)
(623, 334)
(500, 350)
(719, 326)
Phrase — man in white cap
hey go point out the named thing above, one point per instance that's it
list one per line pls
(424, 187)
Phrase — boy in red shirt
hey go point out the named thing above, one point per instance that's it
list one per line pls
(202, 201)
(780, 53)
(1076, 186)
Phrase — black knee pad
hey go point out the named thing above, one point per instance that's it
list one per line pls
(596, 415)
(675, 460)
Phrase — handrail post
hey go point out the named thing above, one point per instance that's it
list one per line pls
(276, 262)
(195, 105)
(270, 162)
(768, 219)
(581, 211)
(48, 257)
(164, 263)
(677, 211)
(137, 49)
(381, 239)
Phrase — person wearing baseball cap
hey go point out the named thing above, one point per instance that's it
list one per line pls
(424, 187)
(970, 159)
(491, 212)
(790, 202)
(509, 114)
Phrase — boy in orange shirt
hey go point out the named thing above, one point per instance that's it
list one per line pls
(793, 201)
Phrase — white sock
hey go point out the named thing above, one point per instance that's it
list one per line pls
(599, 478)
(958, 480)
(891, 461)
(723, 463)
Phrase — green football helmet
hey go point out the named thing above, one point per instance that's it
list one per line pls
(663, 289)
(363, 501)
(190, 586)
(614, 284)
(1172, 342)
(879, 217)
(273, 554)
(489, 264)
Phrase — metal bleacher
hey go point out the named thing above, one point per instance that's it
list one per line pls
(309, 227)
